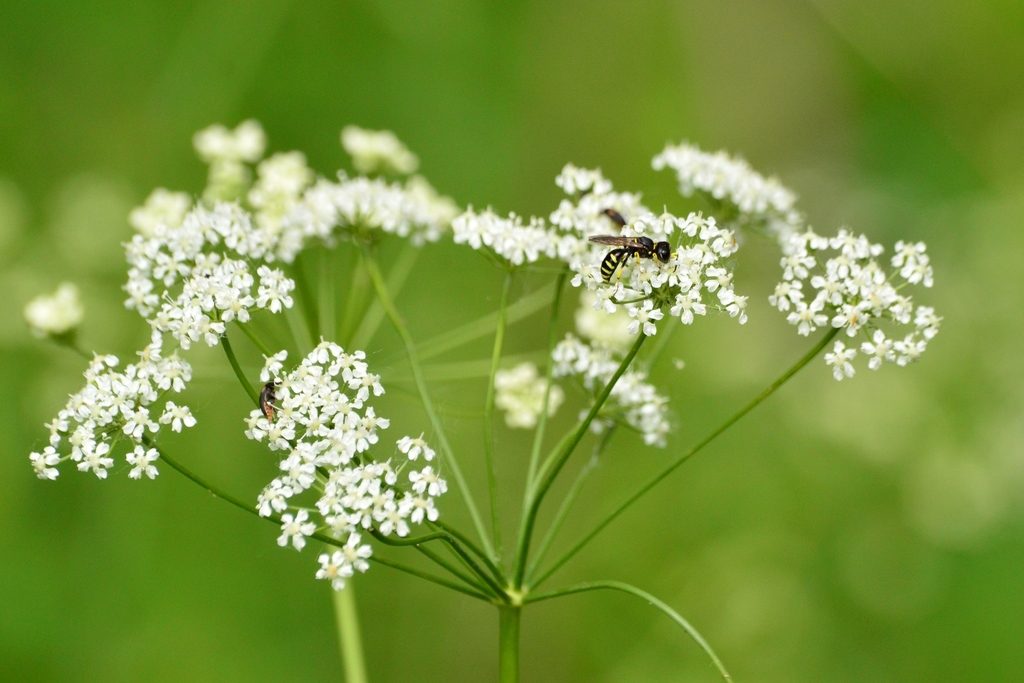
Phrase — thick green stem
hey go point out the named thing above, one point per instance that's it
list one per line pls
(233, 361)
(349, 639)
(671, 467)
(542, 423)
(567, 502)
(651, 600)
(508, 643)
(428, 405)
(558, 460)
(492, 478)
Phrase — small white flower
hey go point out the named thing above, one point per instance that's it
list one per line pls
(644, 318)
(177, 416)
(414, 447)
(374, 151)
(519, 392)
(295, 529)
(45, 463)
(839, 360)
(55, 314)
(141, 459)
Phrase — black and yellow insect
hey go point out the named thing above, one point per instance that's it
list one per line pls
(267, 397)
(640, 247)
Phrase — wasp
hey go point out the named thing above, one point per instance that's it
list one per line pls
(267, 397)
(640, 247)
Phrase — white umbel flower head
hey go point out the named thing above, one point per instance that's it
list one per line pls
(753, 199)
(330, 482)
(838, 282)
(117, 408)
(57, 314)
(633, 401)
(519, 392)
(377, 151)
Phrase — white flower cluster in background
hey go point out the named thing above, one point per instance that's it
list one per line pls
(508, 237)
(633, 401)
(115, 410)
(519, 392)
(414, 210)
(603, 328)
(376, 151)
(838, 282)
(329, 483)
(195, 267)
(56, 314)
(756, 201)
(228, 152)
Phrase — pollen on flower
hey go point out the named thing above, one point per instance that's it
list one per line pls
(329, 480)
(520, 393)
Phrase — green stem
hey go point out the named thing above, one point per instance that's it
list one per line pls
(412, 571)
(508, 643)
(671, 467)
(559, 458)
(347, 620)
(567, 502)
(463, 556)
(325, 291)
(401, 268)
(428, 405)
(354, 299)
(309, 307)
(464, 540)
(276, 521)
(650, 599)
(242, 379)
(492, 479)
(538, 435)
(257, 342)
(481, 327)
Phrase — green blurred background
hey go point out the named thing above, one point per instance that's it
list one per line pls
(868, 531)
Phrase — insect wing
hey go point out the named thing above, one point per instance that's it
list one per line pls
(614, 240)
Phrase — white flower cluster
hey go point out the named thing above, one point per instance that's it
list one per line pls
(376, 151)
(697, 276)
(189, 280)
(194, 268)
(57, 314)
(519, 392)
(602, 328)
(117, 407)
(320, 420)
(227, 152)
(756, 200)
(414, 210)
(633, 401)
(508, 237)
(838, 282)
